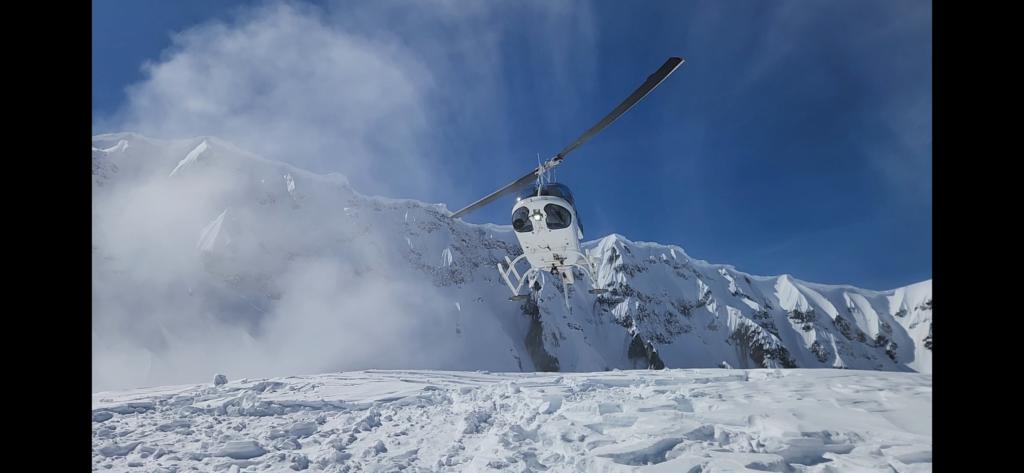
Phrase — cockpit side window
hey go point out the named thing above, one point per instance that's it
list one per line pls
(521, 220)
(558, 217)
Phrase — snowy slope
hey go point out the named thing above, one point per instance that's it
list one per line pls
(208, 258)
(717, 420)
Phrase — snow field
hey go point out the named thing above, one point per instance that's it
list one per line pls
(815, 420)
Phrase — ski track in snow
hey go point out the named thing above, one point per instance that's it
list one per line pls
(677, 420)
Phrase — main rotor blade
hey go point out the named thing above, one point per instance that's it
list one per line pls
(652, 81)
(511, 187)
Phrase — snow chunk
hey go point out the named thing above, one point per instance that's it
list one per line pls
(241, 450)
(173, 425)
(115, 450)
(289, 182)
(377, 448)
(477, 422)
(101, 416)
(551, 404)
(299, 462)
(303, 429)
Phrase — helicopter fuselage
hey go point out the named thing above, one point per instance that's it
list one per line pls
(548, 232)
(548, 228)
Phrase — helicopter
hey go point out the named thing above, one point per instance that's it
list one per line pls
(545, 219)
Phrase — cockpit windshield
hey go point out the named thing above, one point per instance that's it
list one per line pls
(558, 217)
(521, 220)
(553, 189)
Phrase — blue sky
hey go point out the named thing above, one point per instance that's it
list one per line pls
(795, 139)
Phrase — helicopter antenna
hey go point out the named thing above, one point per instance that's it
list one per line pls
(540, 175)
(652, 81)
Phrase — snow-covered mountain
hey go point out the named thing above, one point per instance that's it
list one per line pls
(208, 258)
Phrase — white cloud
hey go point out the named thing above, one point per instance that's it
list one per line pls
(350, 89)
(369, 90)
(287, 286)
(283, 83)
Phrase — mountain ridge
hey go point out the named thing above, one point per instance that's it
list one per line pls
(282, 232)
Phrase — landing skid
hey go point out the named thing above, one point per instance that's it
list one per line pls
(515, 281)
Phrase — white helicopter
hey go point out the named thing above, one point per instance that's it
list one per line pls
(545, 219)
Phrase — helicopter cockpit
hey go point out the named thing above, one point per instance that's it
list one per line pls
(556, 217)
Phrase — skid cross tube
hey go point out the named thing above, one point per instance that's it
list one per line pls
(509, 273)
